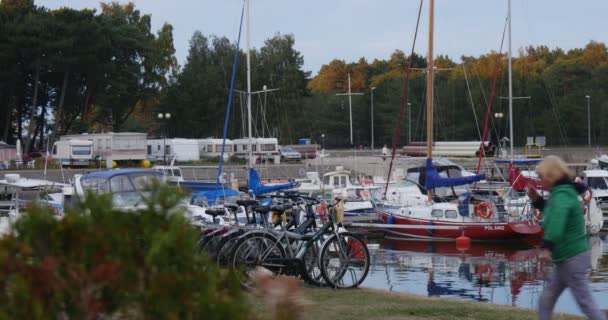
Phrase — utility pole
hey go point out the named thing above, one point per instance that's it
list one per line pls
(350, 106)
(372, 114)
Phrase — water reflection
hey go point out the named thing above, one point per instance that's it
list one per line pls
(511, 274)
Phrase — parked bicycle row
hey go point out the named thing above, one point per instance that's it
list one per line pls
(287, 234)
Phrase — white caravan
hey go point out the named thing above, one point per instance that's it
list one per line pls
(73, 152)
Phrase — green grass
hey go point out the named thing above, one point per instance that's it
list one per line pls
(375, 304)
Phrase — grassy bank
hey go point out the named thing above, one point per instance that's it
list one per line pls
(376, 304)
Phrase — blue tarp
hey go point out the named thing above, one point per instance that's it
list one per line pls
(256, 186)
(433, 180)
(518, 161)
(463, 204)
(197, 186)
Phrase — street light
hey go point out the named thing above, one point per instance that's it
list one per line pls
(372, 113)
(588, 119)
(323, 142)
(166, 117)
(499, 116)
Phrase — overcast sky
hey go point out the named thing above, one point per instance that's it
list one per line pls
(350, 29)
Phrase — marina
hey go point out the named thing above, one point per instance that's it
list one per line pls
(145, 175)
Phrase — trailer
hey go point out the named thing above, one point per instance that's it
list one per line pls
(450, 149)
(262, 150)
(119, 147)
(211, 148)
(73, 152)
(182, 150)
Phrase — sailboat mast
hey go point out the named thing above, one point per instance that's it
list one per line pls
(510, 84)
(249, 84)
(429, 91)
(350, 110)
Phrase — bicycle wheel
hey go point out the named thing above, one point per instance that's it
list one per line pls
(312, 272)
(257, 250)
(226, 246)
(344, 261)
(207, 243)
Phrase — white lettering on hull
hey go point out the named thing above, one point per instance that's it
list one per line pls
(494, 228)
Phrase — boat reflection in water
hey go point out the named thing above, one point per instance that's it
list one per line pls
(511, 274)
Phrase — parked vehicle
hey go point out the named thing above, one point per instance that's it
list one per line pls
(182, 150)
(120, 147)
(263, 149)
(73, 152)
(211, 148)
(308, 151)
(289, 154)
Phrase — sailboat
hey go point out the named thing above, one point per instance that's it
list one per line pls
(468, 214)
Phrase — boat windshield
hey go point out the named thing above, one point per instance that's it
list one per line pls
(127, 189)
(406, 183)
(598, 183)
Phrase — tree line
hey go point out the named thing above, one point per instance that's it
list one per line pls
(72, 71)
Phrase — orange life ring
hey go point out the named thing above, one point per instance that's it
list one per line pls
(483, 210)
(587, 195)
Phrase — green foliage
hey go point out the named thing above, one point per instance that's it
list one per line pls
(97, 262)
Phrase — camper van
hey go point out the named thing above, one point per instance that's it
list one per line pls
(73, 152)
(121, 147)
(211, 148)
(182, 150)
(263, 149)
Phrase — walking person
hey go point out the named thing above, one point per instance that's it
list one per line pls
(565, 239)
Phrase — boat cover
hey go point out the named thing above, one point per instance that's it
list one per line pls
(256, 186)
(434, 180)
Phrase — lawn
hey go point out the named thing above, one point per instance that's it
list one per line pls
(375, 304)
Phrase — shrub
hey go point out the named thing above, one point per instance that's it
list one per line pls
(99, 263)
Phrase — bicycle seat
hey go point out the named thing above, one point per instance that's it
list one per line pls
(215, 212)
(246, 203)
(281, 208)
(262, 209)
(231, 206)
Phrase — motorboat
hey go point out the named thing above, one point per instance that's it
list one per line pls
(358, 198)
(18, 193)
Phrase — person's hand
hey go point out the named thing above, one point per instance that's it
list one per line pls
(532, 192)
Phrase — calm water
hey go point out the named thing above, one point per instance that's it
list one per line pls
(494, 273)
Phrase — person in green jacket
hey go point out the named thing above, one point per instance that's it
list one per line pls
(565, 239)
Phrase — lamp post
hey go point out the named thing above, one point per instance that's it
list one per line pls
(372, 114)
(498, 116)
(323, 142)
(588, 119)
(165, 117)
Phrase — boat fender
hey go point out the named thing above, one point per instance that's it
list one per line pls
(483, 210)
(390, 219)
(486, 272)
(587, 195)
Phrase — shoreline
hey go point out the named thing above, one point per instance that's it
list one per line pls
(365, 303)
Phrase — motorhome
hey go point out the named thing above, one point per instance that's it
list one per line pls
(121, 147)
(211, 148)
(182, 150)
(262, 150)
(72, 153)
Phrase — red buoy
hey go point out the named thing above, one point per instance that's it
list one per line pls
(463, 243)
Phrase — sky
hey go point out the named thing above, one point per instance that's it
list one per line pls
(351, 29)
